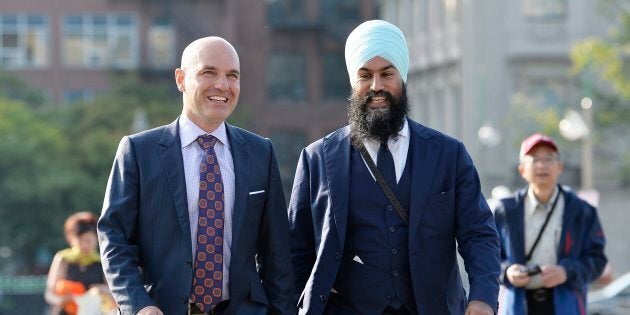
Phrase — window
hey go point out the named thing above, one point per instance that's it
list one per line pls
(286, 76)
(161, 39)
(286, 12)
(78, 96)
(545, 9)
(23, 41)
(547, 92)
(100, 41)
(335, 77)
(344, 11)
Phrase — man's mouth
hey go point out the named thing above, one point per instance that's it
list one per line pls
(378, 101)
(218, 98)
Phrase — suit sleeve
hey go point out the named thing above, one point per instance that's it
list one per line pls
(117, 230)
(273, 248)
(301, 226)
(477, 237)
(582, 270)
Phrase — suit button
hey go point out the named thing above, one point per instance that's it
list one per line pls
(322, 298)
(395, 273)
(337, 256)
(394, 251)
(389, 297)
(189, 264)
(392, 229)
(390, 208)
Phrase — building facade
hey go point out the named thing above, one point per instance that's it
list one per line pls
(488, 72)
(294, 86)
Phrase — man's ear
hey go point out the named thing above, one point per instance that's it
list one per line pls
(521, 169)
(180, 76)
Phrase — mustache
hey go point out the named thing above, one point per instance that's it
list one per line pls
(371, 94)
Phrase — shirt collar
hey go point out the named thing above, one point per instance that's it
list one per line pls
(189, 132)
(403, 133)
(534, 203)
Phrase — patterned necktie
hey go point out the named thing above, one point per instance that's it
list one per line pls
(208, 277)
(385, 165)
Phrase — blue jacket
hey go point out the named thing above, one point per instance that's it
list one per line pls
(144, 229)
(580, 252)
(446, 206)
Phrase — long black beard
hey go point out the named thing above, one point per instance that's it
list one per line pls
(377, 124)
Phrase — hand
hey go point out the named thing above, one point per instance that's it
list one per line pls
(150, 310)
(517, 275)
(479, 308)
(553, 276)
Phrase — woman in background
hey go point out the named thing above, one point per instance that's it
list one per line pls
(77, 269)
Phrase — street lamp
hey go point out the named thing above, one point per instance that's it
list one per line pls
(489, 136)
(575, 126)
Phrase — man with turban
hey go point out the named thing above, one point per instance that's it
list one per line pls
(368, 244)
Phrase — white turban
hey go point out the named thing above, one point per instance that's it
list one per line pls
(376, 38)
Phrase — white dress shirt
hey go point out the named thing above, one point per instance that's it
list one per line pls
(192, 155)
(398, 146)
(546, 250)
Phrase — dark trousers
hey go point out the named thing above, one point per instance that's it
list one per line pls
(540, 302)
(337, 305)
(217, 310)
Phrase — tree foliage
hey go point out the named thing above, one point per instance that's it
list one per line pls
(55, 160)
(607, 58)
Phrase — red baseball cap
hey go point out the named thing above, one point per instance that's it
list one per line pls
(534, 140)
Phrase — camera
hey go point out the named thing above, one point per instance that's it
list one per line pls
(533, 270)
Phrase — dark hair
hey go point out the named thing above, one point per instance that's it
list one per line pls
(79, 223)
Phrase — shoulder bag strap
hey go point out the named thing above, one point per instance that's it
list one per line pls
(381, 182)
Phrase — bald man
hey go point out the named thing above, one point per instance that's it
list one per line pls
(358, 251)
(194, 218)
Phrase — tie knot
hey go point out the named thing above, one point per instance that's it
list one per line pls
(206, 141)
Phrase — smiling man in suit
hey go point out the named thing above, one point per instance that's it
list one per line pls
(194, 217)
(354, 250)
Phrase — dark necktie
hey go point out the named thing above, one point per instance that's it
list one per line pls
(385, 165)
(208, 278)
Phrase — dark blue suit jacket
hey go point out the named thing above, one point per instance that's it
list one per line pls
(446, 206)
(144, 230)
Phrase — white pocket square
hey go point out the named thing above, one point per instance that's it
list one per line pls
(357, 259)
(256, 192)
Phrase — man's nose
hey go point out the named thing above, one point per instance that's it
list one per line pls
(221, 83)
(377, 83)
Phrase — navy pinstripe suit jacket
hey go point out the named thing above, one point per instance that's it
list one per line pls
(144, 230)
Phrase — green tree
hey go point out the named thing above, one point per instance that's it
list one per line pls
(35, 183)
(55, 160)
(607, 59)
(14, 88)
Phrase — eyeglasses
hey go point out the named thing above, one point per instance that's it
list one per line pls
(546, 160)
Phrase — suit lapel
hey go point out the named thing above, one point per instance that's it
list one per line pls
(240, 158)
(337, 163)
(426, 150)
(171, 154)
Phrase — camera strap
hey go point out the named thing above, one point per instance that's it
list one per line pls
(381, 182)
(542, 229)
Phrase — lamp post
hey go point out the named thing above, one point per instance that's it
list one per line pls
(574, 127)
(587, 145)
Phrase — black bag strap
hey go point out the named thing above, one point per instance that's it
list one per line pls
(381, 182)
(542, 229)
